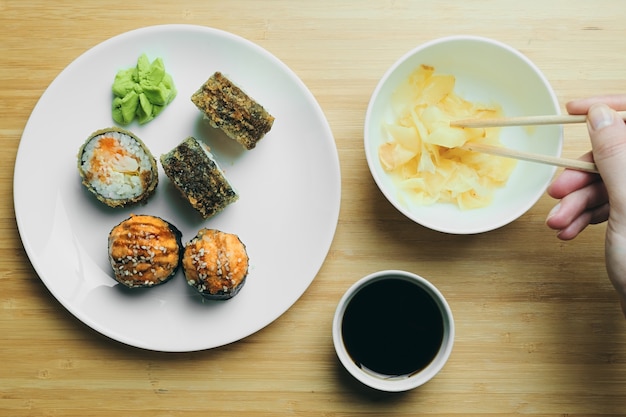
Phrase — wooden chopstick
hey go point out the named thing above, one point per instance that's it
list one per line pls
(526, 120)
(526, 156)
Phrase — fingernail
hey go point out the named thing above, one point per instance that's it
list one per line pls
(600, 116)
(554, 210)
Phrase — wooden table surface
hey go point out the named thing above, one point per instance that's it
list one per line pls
(539, 330)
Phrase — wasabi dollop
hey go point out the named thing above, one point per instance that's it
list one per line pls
(142, 91)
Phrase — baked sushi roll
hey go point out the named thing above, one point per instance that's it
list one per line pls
(117, 167)
(195, 172)
(215, 263)
(229, 108)
(144, 251)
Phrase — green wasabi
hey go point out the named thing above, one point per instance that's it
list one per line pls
(142, 91)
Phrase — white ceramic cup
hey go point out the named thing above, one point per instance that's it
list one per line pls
(384, 381)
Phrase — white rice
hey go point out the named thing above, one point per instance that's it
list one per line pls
(116, 179)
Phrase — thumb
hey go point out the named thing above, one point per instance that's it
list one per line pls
(607, 132)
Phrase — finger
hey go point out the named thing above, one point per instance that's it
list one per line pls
(575, 228)
(600, 214)
(571, 180)
(608, 140)
(581, 106)
(581, 222)
(573, 205)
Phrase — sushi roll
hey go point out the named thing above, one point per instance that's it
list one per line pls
(195, 172)
(229, 108)
(144, 251)
(215, 263)
(117, 167)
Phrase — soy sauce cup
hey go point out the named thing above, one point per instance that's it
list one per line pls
(393, 330)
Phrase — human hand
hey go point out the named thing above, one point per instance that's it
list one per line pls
(589, 198)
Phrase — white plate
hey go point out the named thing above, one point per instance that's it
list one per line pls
(289, 188)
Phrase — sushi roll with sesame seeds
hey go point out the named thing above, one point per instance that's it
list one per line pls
(215, 263)
(144, 251)
(117, 167)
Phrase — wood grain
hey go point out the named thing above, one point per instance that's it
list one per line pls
(539, 331)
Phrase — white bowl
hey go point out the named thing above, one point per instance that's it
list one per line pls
(395, 383)
(486, 71)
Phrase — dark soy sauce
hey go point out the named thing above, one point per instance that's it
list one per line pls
(392, 327)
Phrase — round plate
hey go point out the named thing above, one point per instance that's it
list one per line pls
(286, 215)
